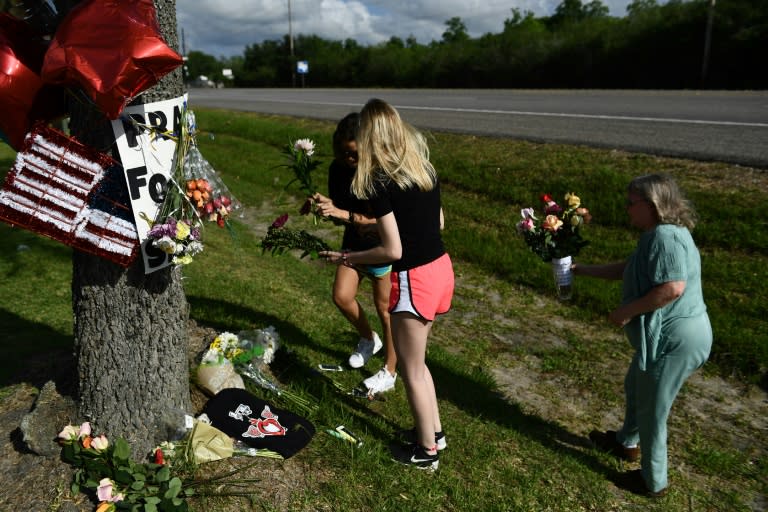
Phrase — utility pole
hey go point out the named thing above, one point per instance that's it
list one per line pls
(707, 43)
(290, 44)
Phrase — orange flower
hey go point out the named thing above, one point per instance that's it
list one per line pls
(105, 506)
(87, 442)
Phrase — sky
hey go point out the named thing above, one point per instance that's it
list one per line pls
(223, 28)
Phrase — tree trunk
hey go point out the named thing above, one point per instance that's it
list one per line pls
(131, 328)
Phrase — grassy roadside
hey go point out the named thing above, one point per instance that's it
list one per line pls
(506, 452)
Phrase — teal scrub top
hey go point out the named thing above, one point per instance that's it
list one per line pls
(663, 254)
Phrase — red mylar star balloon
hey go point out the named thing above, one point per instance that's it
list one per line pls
(24, 98)
(111, 48)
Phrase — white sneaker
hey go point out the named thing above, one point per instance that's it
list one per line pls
(380, 382)
(365, 349)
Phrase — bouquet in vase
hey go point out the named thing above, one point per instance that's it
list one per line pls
(556, 235)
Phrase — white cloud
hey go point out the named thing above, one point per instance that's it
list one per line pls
(225, 28)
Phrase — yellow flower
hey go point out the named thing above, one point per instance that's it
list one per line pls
(183, 260)
(573, 200)
(105, 506)
(182, 230)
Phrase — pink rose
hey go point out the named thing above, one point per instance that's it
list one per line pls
(70, 433)
(85, 430)
(100, 443)
(525, 225)
(584, 213)
(105, 491)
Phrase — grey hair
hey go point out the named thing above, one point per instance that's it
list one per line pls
(663, 193)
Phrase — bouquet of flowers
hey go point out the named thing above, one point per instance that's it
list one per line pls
(247, 352)
(209, 195)
(181, 238)
(558, 233)
(302, 164)
(163, 483)
(194, 193)
(280, 239)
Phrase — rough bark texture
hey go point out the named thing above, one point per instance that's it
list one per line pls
(130, 328)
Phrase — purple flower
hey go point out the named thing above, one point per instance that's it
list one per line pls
(280, 221)
(168, 228)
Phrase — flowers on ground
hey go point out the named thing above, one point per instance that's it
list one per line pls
(557, 233)
(106, 470)
(120, 484)
(248, 353)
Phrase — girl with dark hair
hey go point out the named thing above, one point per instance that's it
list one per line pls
(359, 234)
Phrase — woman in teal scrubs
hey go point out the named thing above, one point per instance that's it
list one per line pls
(665, 319)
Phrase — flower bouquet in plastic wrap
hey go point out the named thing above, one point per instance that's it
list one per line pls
(232, 357)
(209, 195)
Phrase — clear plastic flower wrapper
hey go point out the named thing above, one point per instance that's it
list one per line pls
(206, 191)
(246, 354)
(215, 376)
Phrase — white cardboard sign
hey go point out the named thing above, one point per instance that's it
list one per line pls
(148, 160)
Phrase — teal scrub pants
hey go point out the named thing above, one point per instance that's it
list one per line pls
(684, 347)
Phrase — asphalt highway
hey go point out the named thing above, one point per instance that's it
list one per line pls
(727, 126)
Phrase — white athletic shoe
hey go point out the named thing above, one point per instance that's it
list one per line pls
(380, 382)
(365, 349)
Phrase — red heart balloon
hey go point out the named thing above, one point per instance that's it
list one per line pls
(111, 48)
(24, 98)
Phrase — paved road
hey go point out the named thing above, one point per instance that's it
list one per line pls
(702, 125)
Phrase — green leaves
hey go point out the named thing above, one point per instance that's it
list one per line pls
(280, 240)
(145, 487)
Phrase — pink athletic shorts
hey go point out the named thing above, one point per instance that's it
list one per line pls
(425, 291)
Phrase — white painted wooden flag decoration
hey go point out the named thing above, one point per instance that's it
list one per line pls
(71, 193)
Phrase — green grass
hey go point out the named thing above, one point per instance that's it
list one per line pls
(503, 455)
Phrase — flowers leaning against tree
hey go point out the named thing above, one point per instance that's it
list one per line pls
(557, 234)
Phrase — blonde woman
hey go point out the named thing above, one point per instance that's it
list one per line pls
(395, 175)
(665, 319)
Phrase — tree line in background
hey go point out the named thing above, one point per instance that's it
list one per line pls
(579, 46)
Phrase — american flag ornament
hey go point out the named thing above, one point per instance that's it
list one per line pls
(71, 193)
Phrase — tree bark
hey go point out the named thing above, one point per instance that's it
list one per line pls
(130, 327)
